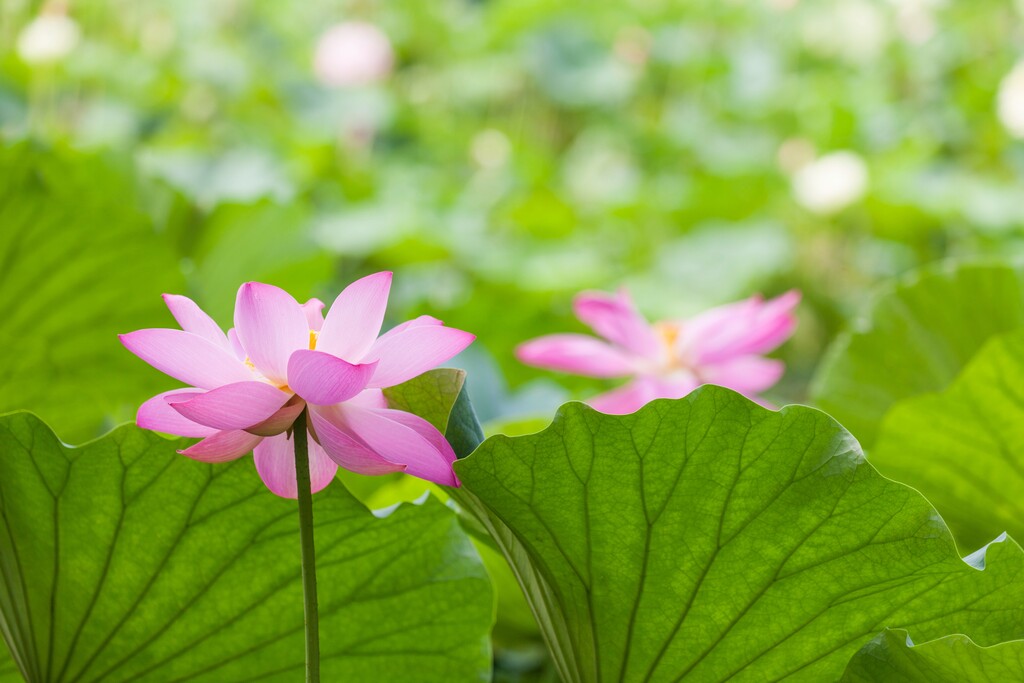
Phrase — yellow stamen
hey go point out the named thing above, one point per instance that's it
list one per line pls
(250, 364)
(312, 340)
(668, 335)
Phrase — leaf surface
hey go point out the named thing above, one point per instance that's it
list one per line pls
(710, 539)
(430, 395)
(8, 669)
(953, 659)
(77, 267)
(916, 338)
(124, 561)
(963, 447)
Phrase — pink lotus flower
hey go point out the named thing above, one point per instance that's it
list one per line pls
(248, 386)
(668, 359)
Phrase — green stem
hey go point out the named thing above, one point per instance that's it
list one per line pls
(308, 551)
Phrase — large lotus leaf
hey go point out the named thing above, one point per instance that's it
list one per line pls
(954, 659)
(708, 538)
(79, 263)
(916, 338)
(123, 561)
(963, 448)
(8, 669)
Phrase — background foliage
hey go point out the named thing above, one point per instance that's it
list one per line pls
(523, 151)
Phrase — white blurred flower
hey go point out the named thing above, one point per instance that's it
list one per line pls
(855, 31)
(831, 183)
(353, 53)
(1010, 102)
(490, 148)
(915, 19)
(48, 38)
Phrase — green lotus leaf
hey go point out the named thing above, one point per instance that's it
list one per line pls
(963, 447)
(952, 659)
(124, 561)
(710, 539)
(8, 669)
(77, 267)
(916, 338)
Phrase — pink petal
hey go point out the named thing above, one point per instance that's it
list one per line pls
(638, 393)
(344, 447)
(616, 319)
(576, 353)
(270, 325)
(369, 398)
(314, 310)
(281, 420)
(232, 406)
(236, 346)
(423, 320)
(430, 433)
(747, 374)
(275, 462)
(747, 327)
(157, 415)
(355, 317)
(223, 446)
(324, 379)
(413, 351)
(720, 328)
(186, 357)
(397, 442)
(193, 319)
(777, 320)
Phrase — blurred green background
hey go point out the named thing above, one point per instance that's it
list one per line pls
(499, 155)
(518, 152)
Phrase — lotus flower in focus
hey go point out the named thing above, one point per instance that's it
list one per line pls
(247, 387)
(669, 359)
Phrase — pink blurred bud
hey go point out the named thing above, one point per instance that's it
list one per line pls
(353, 53)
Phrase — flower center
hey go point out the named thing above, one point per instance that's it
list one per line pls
(668, 335)
(674, 360)
(259, 376)
(313, 334)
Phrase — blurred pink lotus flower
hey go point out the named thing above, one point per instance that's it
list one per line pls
(352, 53)
(668, 359)
(248, 386)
